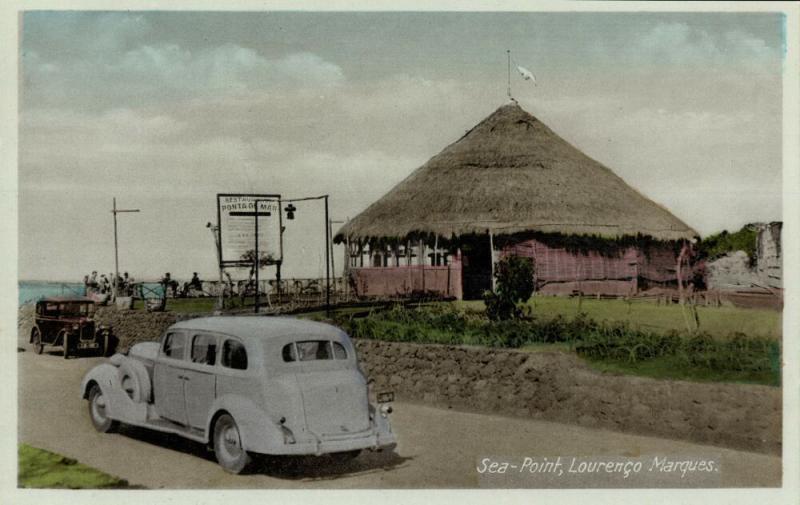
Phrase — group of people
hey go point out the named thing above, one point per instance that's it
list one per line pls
(171, 285)
(105, 284)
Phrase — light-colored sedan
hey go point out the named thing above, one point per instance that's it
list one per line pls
(245, 385)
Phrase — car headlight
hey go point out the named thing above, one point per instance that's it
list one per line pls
(75, 326)
(386, 410)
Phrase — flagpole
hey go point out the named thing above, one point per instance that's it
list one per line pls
(508, 54)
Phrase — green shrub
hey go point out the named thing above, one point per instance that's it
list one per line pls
(513, 284)
(617, 342)
(722, 243)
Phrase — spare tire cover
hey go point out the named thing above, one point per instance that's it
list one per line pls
(135, 380)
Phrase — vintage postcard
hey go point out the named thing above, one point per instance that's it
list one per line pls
(428, 252)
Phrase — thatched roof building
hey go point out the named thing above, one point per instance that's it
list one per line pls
(512, 178)
(511, 174)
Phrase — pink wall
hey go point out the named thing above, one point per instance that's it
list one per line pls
(559, 271)
(403, 280)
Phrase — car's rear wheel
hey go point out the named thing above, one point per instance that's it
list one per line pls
(230, 453)
(97, 411)
(36, 337)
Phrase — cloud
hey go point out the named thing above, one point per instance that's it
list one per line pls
(169, 72)
(679, 44)
(95, 34)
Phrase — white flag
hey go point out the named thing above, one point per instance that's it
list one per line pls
(527, 74)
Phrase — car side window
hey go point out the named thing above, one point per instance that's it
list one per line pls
(174, 345)
(204, 349)
(234, 355)
(339, 351)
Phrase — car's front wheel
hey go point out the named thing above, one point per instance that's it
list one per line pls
(228, 447)
(97, 411)
(36, 338)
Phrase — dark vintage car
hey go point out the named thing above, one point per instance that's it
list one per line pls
(68, 322)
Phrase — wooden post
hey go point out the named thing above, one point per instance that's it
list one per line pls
(256, 264)
(421, 261)
(328, 259)
(491, 256)
(679, 276)
(330, 245)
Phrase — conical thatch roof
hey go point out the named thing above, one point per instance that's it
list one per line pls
(512, 174)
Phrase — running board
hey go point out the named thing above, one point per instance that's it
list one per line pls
(166, 426)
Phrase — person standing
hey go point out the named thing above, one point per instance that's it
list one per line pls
(196, 283)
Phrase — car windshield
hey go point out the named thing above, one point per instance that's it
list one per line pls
(76, 309)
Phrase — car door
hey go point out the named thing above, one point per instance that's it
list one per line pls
(49, 324)
(200, 378)
(168, 381)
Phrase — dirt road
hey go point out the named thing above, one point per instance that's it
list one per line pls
(437, 448)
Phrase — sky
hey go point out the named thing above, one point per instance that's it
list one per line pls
(165, 110)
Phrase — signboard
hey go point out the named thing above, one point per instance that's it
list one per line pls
(236, 215)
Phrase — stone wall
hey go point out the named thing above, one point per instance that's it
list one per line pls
(133, 326)
(560, 387)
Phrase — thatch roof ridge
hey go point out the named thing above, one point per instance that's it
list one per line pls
(511, 173)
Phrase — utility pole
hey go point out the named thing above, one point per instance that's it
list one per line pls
(290, 209)
(257, 263)
(327, 261)
(508, 54)
(221, 296)
(115, 211)
(332, 222)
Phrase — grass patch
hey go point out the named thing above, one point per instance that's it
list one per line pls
(43, 469)
(649, 316)
(670, 367)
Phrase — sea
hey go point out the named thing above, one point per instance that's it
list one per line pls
(31, 291)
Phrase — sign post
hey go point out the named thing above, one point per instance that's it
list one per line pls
(249, 228)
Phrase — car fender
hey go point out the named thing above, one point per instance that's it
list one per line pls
(119, 406)
(35, 327)
(259, 431)
(104, 374)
